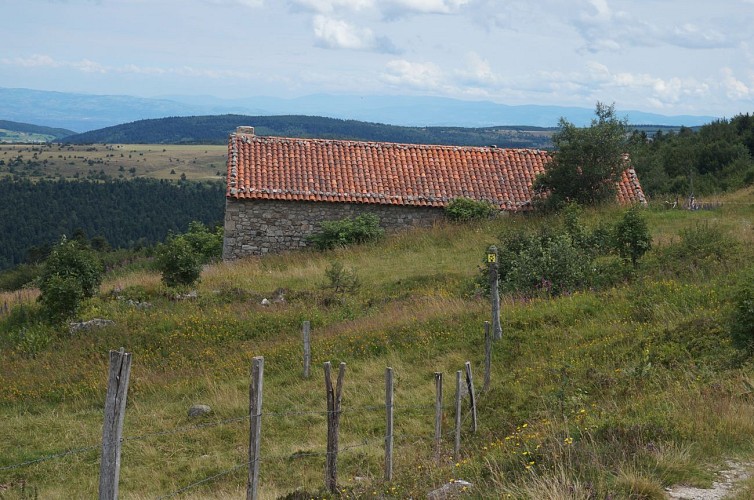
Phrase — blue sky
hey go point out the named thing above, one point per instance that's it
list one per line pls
(664, 56)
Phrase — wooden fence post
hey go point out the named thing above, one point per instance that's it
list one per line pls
(112, 429)
(255, 425)
(494, 278)
(389, 426)
(333, 424)
(472, 396)
(438, 414)
(457, 447)
(487, 356)
(307, 348)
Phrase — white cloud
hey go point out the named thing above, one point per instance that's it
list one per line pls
(478, 71)
(33, 61)
(337, 34)
(424, 6)
(735, 88)
(422, 76)
(242, 3)
(330, 6)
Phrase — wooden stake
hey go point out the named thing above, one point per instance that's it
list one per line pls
(112, 429)
(307, 348)
(333, 425)
(389, 426)
(255, 425)
(457, 448)
(472, 396)
(438, 414)
(487, 356)
(494, 278)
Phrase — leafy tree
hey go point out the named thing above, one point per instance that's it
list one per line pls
(70, 274)
(207, 244)
(178, 262)
(588, 161)
(632, 237)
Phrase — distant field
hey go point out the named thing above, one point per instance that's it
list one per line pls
(7, 136)
(113, 161)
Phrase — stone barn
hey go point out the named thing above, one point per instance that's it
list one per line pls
(279, 189)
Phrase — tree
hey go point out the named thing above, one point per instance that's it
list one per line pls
(70, 274)
(632, 237)
(588, 162)
(178, 262)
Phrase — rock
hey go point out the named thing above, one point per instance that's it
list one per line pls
(279, 296)
(452, 489)
(89, 325)
(186, 296)
(265, 302)
(199, 410)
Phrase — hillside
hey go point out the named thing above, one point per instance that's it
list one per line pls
(84, 112)
(616, 392)
(215, 130)
(25, 132)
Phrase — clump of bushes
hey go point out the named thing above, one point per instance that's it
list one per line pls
(742, 321)
(567, 256)
(466, 209)
(181, 257)
(361, 229)
(70, 274)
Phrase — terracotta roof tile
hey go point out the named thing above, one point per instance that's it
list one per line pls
(389, 173)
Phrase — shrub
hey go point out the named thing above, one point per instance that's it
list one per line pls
(742, 321)
(178, 262)
(632, 238)
(207, 244)
(70, 274)
(466, 209)
(343, 232)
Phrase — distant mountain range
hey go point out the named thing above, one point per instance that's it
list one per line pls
(84, 112)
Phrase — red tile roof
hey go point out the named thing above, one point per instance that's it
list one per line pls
(387, 173)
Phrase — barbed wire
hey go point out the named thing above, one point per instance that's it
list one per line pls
(51, 457)
(213, 477)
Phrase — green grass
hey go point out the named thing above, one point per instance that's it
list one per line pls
(623, 391)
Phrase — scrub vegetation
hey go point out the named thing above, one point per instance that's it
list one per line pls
(615, 389)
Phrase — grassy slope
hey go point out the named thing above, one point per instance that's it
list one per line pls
(620, 391)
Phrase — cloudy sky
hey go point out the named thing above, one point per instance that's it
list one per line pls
(666, 56)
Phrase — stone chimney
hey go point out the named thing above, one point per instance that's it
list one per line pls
(245, 130)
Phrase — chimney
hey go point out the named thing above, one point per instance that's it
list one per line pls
(245, 130)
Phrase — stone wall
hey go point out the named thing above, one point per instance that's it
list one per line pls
(258, 227)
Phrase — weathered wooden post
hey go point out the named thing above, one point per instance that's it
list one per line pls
(494, 279)
(333, 424)
(112, 429)
(438, 414)
(307, 348)
(255, 425)
(472, 396)
(487, 356)
(457, 447)
(389, 426)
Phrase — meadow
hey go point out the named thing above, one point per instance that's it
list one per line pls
(113, 161)
(614, 392)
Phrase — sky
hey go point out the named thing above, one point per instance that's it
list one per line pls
(665, 56)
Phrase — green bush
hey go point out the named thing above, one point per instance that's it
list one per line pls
(343, 232)
(70, 274)
(632, 237)
(742, 321)
(466, 209)
(178, 261)
(207, 244)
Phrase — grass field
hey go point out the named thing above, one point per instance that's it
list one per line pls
(115, 161)
(611, 393)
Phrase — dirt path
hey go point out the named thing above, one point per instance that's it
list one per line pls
(728, 479)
